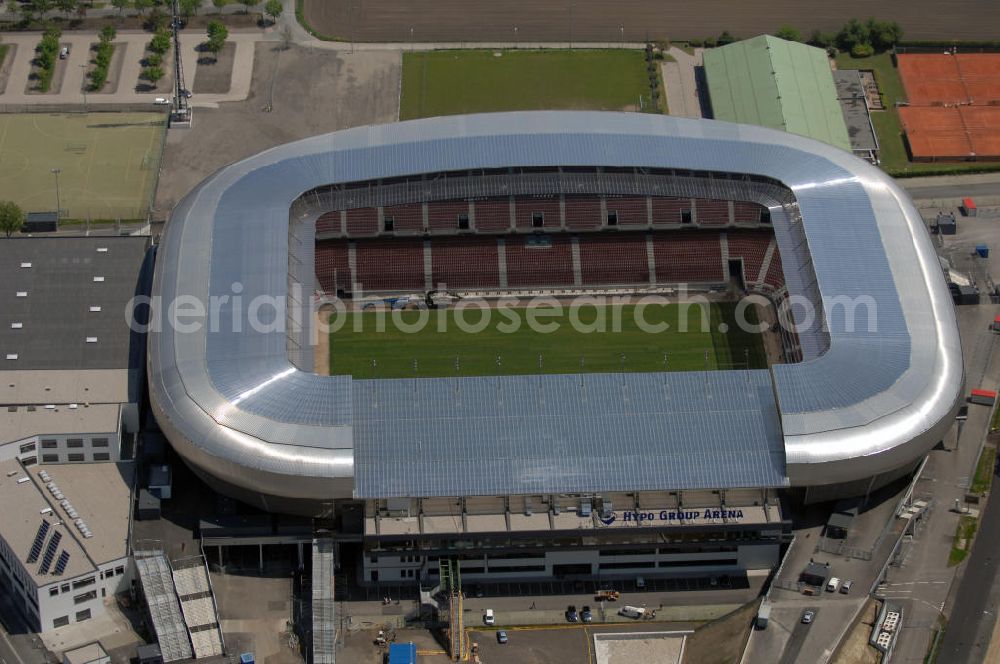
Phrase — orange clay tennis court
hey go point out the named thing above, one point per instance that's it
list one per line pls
(954, 110)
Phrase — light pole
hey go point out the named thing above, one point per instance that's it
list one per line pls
(56, 172)
(84, 68)
(621, 32)
(516, 42)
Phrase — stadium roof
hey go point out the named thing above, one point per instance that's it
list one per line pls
(873, 399)
(776, 83)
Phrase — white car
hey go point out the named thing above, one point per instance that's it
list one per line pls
(489, 618)
(161, 101)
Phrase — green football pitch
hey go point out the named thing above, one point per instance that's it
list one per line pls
(107, 162)
(452, 82)
(608, 338)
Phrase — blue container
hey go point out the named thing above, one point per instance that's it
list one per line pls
(983, 250)
(246, 658)
(403, 653)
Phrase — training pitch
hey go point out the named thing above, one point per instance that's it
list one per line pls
(107, 162)
(453, 82)
(411, 344)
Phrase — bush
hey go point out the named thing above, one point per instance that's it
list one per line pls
(725, 38)
(862, 51)
(711, 42)
(695, 43)
(789, 33)
(821, 39)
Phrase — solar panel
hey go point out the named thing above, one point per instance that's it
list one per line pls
(61, 563)
(36, 546)
(50, 553)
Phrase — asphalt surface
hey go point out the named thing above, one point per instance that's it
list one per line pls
(975, 608)
(635, 20)
(924, 191)
(798, 638)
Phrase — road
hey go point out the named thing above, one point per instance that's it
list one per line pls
(974, 612)
(798, 638)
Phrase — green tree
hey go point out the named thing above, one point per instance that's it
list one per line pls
(789, 33)
(725, 38)
(883, 35)
(108, 34)
(11, 218)
(188, 8)
(217, 30)
(273, 8)
(154, 60)
(67, 6)
(153, 74)
(862, 51)
(821, 39)
(120, 5)
(160, 43)
(854, 32)
(219, 4)
(142, 5)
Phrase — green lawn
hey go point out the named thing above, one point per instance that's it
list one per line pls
(453, 82)
(984, 470)
(888, 128)
(358, 341)
(965, 533)
(107, 162)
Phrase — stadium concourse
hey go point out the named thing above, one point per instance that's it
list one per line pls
(536, 476)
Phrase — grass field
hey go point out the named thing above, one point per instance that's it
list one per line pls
(358, 342)
(453, 82)
(892, 149)
(107, 162)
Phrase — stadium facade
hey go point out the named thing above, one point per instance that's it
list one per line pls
(680, 469)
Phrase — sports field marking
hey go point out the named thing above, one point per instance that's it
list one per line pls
(601, 339)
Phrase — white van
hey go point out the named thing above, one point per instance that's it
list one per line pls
(632, 612)
(489, 618)
(64, 53)
(832, 585)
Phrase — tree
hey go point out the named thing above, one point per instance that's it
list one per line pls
(67, 6)
(160, 43)
(789, 33)
(883, 35)
(862, 51)
(142, 5)
(725, 38)
(821, 39)
(219, 4)
(273, 8)
(217, 35)
(11, 218)
(120, 5)
(189, 7)
(153, 74)
(852, 33)
(108, 34)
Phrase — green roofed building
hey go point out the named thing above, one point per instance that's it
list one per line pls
(776, 83)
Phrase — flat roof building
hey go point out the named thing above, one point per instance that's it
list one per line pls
(776, 83)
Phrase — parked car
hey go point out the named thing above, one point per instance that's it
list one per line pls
(501, 636)
(161, 101)
(586, 616)
(489, 618)
(832, 585)
(571, 615)
(64, 53)
(807, 617)
(186, 94)
(845, 587)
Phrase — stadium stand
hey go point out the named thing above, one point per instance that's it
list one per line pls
(541, 212)
(583, 213)
(668, 211)
(539, 261)
(465, 262)
(390, 264)
(693, 256)
(362, 222)
(712, 213)
(328, 223)
(751, 247)
(445, 215)
(333, 269)
(746, 213)
(404, 218)
(493, 215)
(627, 211)
(775, 277)
(614, 258)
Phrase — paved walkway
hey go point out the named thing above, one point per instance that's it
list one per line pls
(681, 83)
(71, 90)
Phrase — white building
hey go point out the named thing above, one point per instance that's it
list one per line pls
(64, 539)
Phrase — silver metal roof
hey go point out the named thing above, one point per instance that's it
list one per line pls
(232, 403)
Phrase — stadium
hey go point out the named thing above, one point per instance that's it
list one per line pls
(577, 472)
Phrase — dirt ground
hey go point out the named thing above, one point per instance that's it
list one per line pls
(855, 649)
(721, 641)
(314, 91)
(6, 65)
(635, 20)
(215, 73)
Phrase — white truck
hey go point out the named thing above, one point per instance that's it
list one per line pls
(632, 612)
